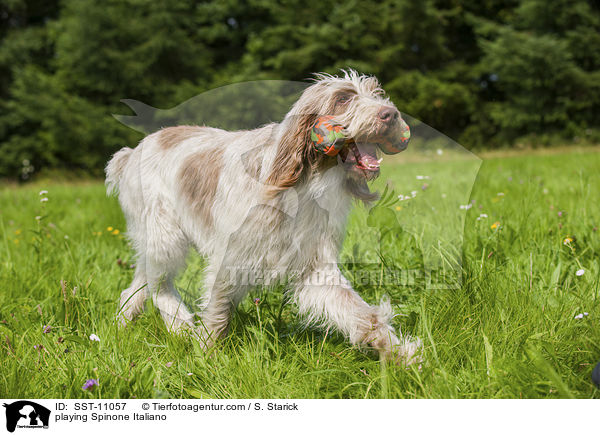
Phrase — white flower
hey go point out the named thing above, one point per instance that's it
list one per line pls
(500, 193)
(413, 193)
(545, 191)
(580, 272)
(190, 374)
(482, 216)
(466, 207)
(423, 177)
(43, 192)
(66, 237)
(404, 198)
(37, 218)
(440, 152)
(44, 199)
(443, 195)
(94, 337)
(581, 315)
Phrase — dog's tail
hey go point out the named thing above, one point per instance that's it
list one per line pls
(114, 169)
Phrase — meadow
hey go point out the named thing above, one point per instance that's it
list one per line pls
(521, 323)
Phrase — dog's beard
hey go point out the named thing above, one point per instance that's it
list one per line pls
(359, 188)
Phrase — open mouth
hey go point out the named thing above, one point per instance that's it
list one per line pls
(361, 158)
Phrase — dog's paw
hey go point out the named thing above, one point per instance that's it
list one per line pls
(179, 326)
(122, 319)
(206, 337)
(408, 352)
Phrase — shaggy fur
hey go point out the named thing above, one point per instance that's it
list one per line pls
(254, 202)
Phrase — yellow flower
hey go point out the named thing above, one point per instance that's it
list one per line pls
(495, 225)
(567, 240)
(115, 232)
(17, 232)
(398, 208)
(496, 199)
(16, 241)
(109, 228)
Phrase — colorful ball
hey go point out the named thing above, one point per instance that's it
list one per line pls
(394, 148)
(327, 136)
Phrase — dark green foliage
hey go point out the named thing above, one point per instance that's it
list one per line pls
(542, 68)
(486, 73)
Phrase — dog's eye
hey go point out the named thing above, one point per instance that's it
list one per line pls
(343, 99)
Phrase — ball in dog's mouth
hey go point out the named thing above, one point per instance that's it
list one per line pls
(361, 159)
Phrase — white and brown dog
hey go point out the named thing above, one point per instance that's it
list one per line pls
(259, 200)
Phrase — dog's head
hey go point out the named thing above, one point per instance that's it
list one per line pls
(366, 122)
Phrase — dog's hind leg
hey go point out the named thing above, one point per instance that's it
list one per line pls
(164, 247)
(167, 300)
(133, 298)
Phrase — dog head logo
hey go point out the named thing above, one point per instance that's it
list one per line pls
(433, 178)
(26, 414)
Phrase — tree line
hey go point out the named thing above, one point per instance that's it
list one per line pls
(487, 73)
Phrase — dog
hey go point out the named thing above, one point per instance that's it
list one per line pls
(260, 200)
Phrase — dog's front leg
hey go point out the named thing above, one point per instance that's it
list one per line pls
(326, 298)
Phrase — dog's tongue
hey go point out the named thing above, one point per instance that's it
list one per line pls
(368, 162)
(365, 160)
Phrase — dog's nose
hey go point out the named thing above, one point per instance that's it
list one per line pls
(388, 114)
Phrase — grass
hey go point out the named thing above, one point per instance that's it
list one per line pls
(507, 331)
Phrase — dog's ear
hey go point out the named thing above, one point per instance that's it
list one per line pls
(295, 154)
